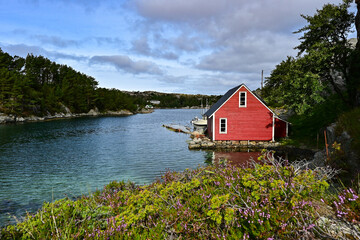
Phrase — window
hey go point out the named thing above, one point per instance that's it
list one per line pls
(223, 125)
(242, 99)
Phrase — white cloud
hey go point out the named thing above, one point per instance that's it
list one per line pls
(238, 35)
(23, 50)
(188, 46)
(249, 54)
(56, 41)
(126, 64)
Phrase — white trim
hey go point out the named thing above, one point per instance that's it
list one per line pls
(287, 129)
(226, 100)
(220, 132)
(244, 106)
(213, 128)
(273, 128)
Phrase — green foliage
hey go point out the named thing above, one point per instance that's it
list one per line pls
(37, 86)
(326, 64)
(329, 28)
(293, 85)
(325, 39)
(307, 127)
(181, 100)
(212, 202)
(113, 99)
(346, 205)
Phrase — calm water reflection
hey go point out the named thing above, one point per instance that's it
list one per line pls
(240, 159)
(49, 160)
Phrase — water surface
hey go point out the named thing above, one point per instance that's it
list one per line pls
(50, 160)
(45, 161)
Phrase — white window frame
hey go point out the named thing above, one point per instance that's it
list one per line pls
(240, 99)
(223, 132)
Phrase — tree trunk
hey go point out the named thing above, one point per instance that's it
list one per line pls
(357, 24)
(354, 94)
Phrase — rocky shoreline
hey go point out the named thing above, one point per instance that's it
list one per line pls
(11, 118)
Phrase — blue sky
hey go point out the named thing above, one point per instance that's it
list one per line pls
(197, 46)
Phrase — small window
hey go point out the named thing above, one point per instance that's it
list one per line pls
(242, 99)
(223, 125)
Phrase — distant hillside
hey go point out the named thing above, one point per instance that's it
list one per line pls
(37, 86)
(174, 100)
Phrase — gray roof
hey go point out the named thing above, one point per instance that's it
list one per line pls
(228, 94)
(221, 101)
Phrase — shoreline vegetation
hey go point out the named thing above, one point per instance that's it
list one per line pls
(271, 200)
(4, 119)
(36, 86)
(12, 118)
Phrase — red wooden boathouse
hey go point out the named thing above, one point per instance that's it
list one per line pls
(242, 115)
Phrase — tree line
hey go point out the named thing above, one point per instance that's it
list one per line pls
(37, 86)
(323, 81)
(327, 66)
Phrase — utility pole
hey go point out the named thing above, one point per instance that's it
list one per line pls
(262, 79)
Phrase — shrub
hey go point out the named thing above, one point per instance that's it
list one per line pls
(214, 202)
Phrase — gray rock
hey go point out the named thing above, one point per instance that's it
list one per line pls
(338, 229)
(93, 112)
(194, 146)
(65, 108)
(319, 159)
(7, 118)
(330, 134)
(119, 113)
(20, 119)
(345, 140)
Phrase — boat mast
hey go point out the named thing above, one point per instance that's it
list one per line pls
(202, 107)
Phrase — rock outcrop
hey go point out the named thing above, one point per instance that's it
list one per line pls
(344, 140)
(4, 118)
(119, 113)
(205, 143)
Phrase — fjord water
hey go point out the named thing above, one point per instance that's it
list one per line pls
(45, 161)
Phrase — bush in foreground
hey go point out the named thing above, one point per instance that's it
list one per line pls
(263, 202)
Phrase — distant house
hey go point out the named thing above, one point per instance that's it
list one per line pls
(242, 115)
(155, 102)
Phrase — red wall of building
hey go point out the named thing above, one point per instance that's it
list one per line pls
(280, 128)
(253, 122)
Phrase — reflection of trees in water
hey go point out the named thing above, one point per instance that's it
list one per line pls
(243, 157)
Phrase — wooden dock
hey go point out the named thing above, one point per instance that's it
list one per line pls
(178, 128)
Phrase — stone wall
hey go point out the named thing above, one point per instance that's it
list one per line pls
(206, 143)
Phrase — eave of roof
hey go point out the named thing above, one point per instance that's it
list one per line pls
(221, 101)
